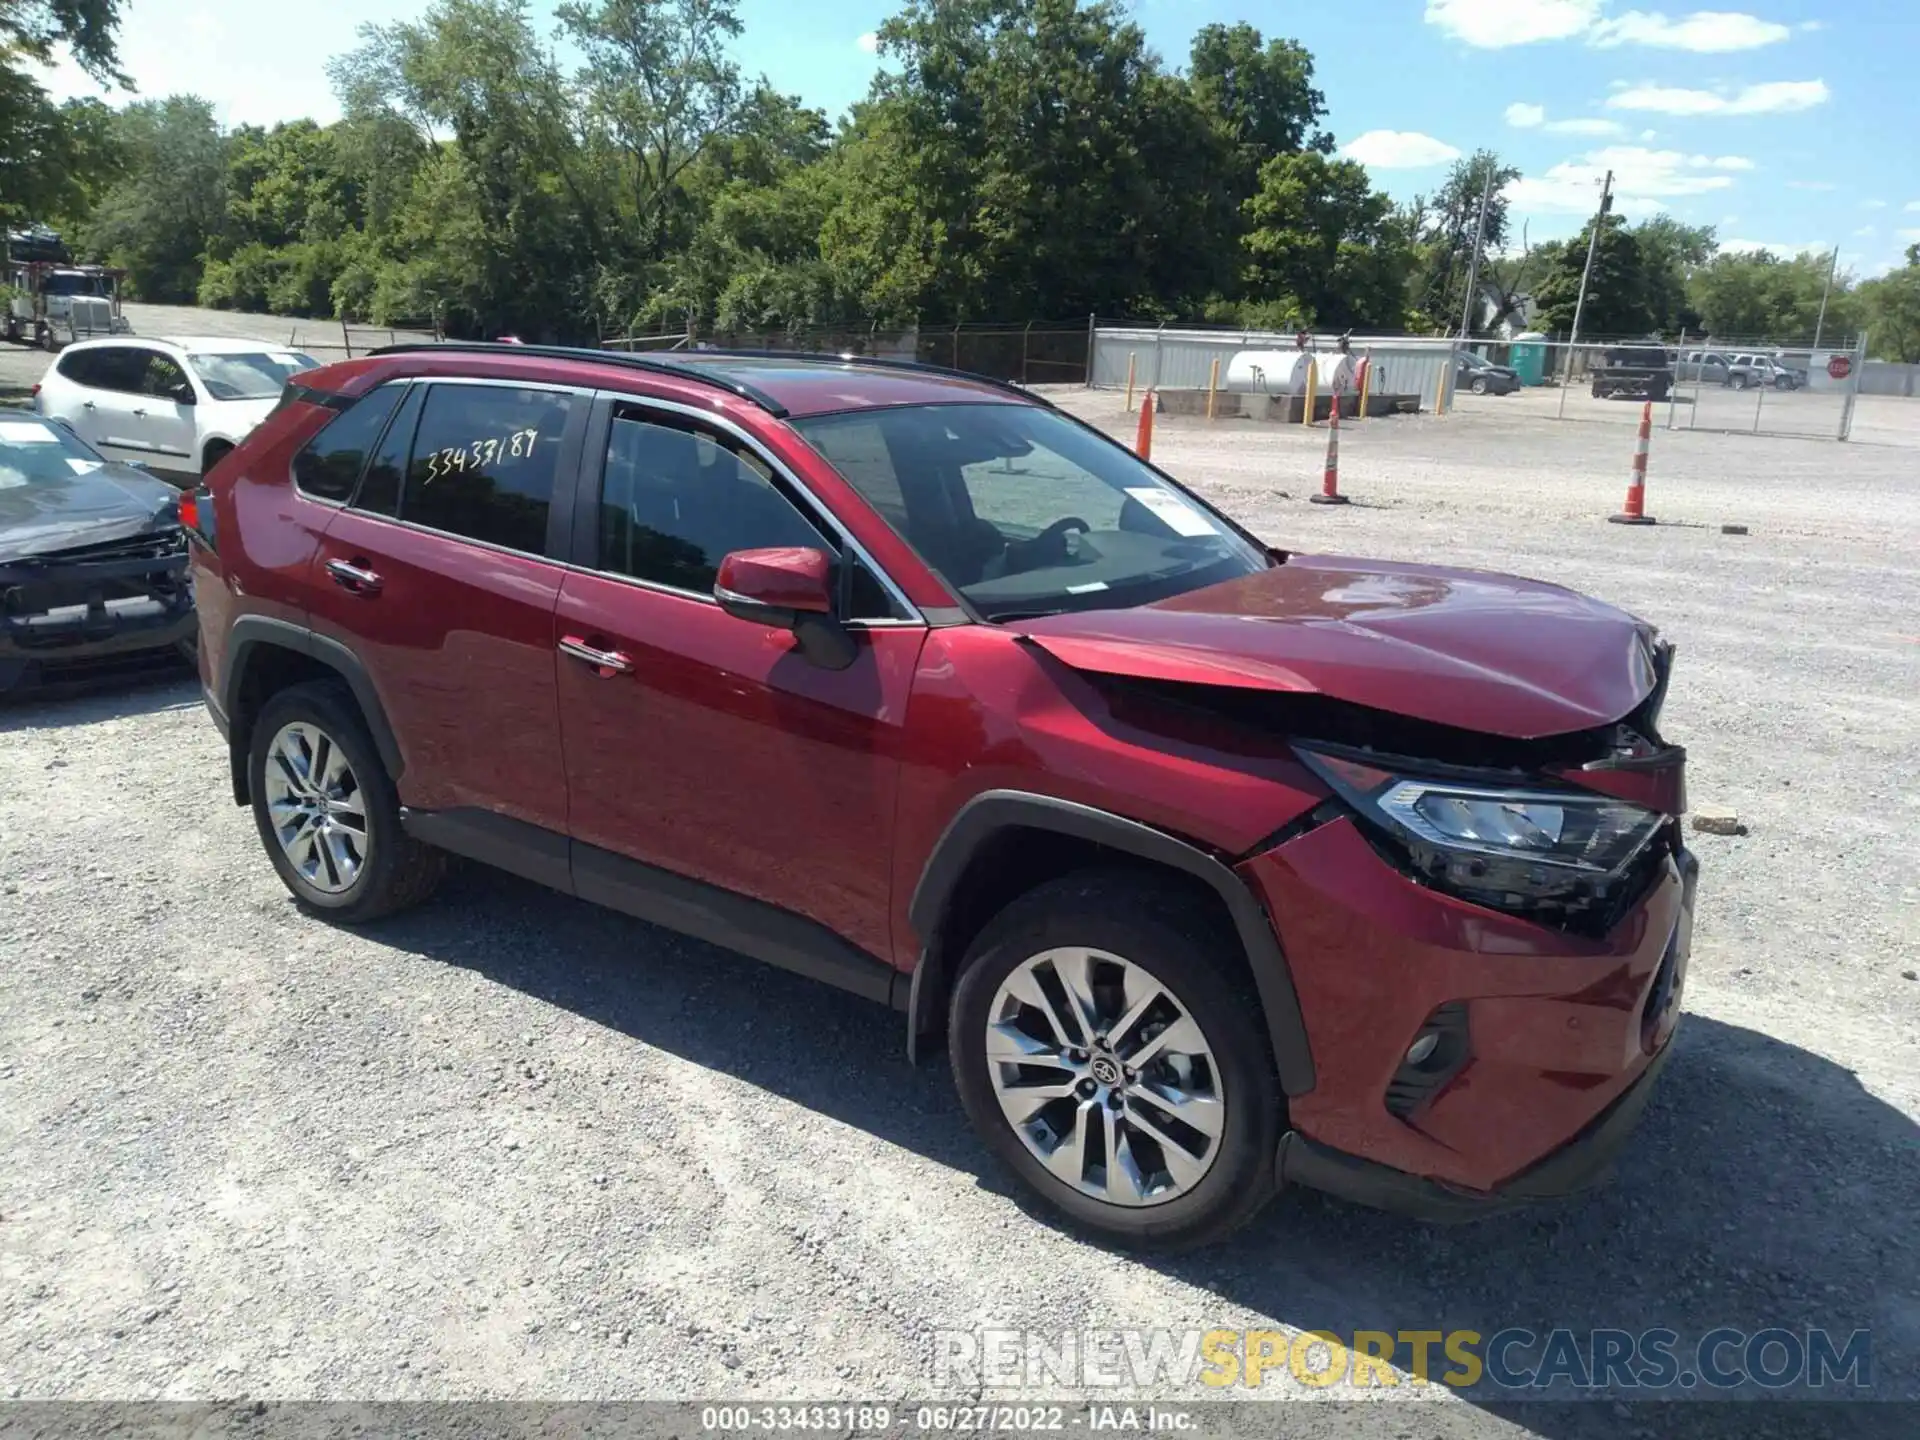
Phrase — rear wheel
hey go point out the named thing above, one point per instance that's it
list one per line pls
(327, 811)
(1479, 384)
(1106, 1044)
(216, 451)
(1738, 382)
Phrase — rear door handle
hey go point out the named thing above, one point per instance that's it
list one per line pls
(352, 577)
(607, 662)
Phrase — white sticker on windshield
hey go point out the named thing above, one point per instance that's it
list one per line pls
(82, 467)
(27, 433)
(1184, 519)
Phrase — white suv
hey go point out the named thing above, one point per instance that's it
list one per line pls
(171, 405)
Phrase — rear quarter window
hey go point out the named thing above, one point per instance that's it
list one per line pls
(329, 467)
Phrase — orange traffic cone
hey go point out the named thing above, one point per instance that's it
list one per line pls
(1330, 479)
(1636, 511)
(1143, 440)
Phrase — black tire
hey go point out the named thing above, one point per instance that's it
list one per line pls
(1191, 952)
(399, 871)
(1479, 385)
(1737, 382)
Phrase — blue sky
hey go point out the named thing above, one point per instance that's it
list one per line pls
(1791, 123)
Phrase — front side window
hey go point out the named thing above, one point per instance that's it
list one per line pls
(483, 463)
(164, 379)
(676, 501)
(1026, 512)
(248, 376)
(330, 464)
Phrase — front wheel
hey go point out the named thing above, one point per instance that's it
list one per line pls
(1106, 1044)
(1480, 385)
(1738, 382)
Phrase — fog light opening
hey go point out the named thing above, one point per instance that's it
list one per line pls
(1422, 1049)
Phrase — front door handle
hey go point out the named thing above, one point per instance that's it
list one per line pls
(607, 662)
(353, 577)
(141, 413)
(86, 404)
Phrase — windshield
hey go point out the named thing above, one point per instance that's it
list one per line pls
(72, 284)
(40, 452)
(248, 376)
(1027, 512)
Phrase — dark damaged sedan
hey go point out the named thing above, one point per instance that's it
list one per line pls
(93, 563)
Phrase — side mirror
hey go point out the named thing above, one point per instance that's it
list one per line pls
(790, 589)
(181, 394)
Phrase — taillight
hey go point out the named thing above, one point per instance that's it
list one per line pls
(196, 515)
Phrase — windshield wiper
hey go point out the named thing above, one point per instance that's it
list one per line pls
(1006, 615)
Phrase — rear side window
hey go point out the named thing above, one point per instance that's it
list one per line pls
(379, 492)
(111, 367)
(329, 466)
(484, 460)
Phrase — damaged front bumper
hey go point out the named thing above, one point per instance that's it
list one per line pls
(94, 614)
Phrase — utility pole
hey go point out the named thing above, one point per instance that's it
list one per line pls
(1580, 302)
(1473, 265)
(1821, 323)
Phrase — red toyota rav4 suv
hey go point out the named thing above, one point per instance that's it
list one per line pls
(1215, 867)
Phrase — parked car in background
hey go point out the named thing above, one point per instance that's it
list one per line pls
(1215, 866)
(1634, 371)
(93, 562)
(173, 405)
(1704, 367)
(1765, 371)
(1483, 377)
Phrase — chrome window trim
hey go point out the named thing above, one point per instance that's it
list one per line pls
(774, 464)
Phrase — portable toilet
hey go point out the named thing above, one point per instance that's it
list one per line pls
(1528, 357)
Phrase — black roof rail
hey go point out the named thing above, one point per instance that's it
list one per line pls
(884, 362)
(653, 364)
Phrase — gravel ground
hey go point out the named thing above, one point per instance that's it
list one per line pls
(510, 1146)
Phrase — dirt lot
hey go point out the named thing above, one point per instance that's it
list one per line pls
(511, 1146)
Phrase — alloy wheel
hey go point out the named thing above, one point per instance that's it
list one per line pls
(316, 807)
(1105, 1076)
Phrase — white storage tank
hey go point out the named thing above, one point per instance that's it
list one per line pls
(1284, 372)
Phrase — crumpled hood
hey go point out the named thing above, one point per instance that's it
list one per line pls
(107, 502)
(1478, 651)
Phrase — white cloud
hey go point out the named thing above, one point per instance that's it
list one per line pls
(1871, 205)
(1811, 25)
(1773, 97)
(1704, 31)
(1587, 127)
(870, 43)
(1496, 24)
(1911, 205)
(1811, 185)
(1523, 116)
(1778, 247)
(1399, 150)
(1642, 180)
(1646, 135)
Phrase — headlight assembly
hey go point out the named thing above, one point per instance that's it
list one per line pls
(1521, 848)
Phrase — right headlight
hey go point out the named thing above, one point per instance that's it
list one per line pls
(1515, 848)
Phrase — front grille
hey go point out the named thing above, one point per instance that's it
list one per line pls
(1417, 1082)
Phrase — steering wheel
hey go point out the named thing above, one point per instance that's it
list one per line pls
(1049, 547)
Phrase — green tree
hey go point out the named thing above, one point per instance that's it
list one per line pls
(1445, 228)
(1324, 239)
(1889, 306)
(1030, 157)
(1673, 253)
(54, 159)
(158, 219)
(1619, 296)
(36, 29)
(1758, 295)
(1261, 94)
